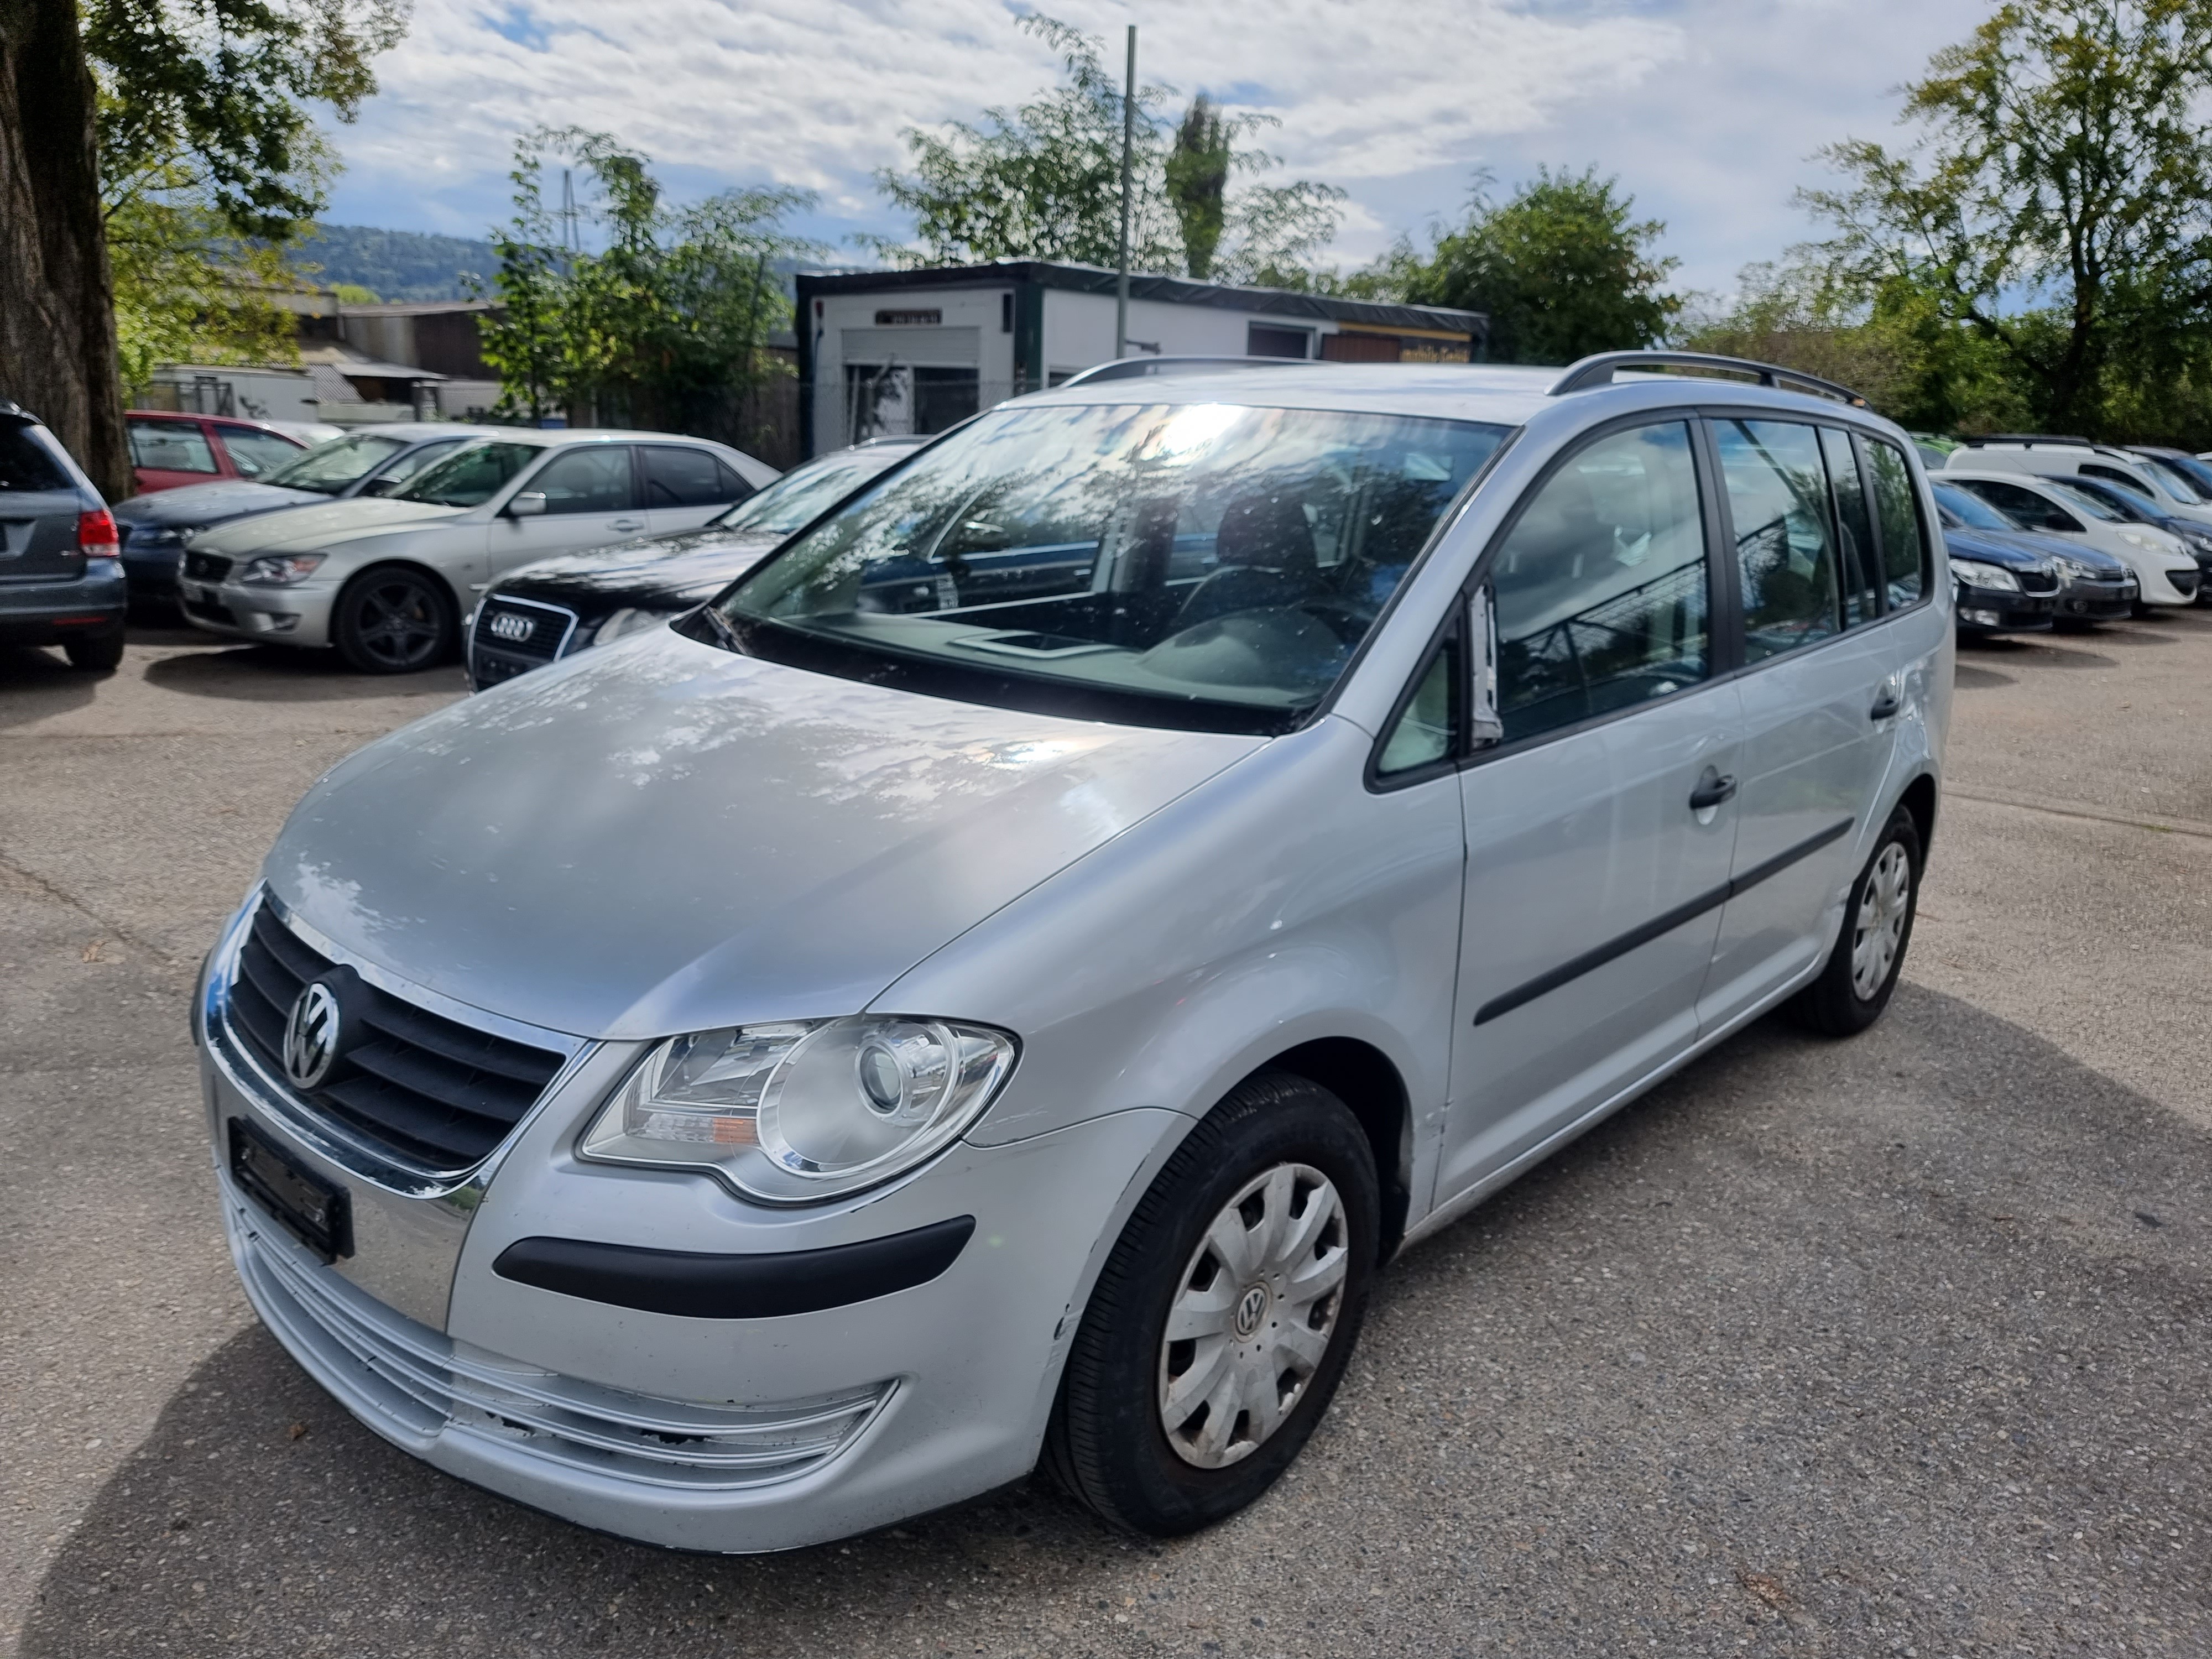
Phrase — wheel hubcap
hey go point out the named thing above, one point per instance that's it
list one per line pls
(1880, 925)
(1253, 1315)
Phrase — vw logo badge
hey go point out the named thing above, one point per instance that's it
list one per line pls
(1251, 1309)
(311, 1035)
(506, 625)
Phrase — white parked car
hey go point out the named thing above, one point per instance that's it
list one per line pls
(387, 579)
(2163, 567)
(2063, 457)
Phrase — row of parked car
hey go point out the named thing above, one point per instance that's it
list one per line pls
(2048, 533)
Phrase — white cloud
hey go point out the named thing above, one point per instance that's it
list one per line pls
(1708, 109)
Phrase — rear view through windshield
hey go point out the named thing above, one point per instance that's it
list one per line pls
(1200, 556)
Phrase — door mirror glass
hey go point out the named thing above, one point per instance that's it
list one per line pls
(528, 505)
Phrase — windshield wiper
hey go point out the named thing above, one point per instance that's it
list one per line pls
(721, 626)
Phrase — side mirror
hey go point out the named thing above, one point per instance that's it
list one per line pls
(528, 505)
(380, 486)
(1484, 727)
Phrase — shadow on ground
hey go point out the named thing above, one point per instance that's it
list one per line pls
(272, 673)
(1893, 1345)
(35, 684)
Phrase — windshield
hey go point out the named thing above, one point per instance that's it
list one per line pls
(328, 468)
(2188, 477)
(805, 493)
(2130, 502)
(1203, 564)
(2096, 507)
(1971, 510)
(470, 477)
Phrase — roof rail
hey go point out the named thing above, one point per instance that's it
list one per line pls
(2027, 439)
(1127, 368)
(1599, 370)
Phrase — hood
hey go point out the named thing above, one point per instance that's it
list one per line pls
(192, 505)
(2039, 545)
(653, 574)
(2004, 551)
(306, 528)
(660, 836)
(649, 553)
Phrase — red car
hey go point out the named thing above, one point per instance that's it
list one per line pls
(169, 450)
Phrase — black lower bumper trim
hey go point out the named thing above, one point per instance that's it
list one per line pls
(696, 1285)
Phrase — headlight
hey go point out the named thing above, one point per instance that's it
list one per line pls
(1984, 575)
(627, 620)
(2136, 539)
(280, 570)
(803, 1110)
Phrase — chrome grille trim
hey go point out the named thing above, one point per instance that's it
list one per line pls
(427, 1385)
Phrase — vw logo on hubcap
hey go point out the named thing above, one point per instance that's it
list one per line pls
(1251, 1309)
(311, 1035)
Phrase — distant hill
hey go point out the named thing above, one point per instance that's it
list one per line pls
(396, 264)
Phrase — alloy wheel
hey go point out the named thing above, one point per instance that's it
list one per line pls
(1880, 925)
(399, 624)
(1253, 1315)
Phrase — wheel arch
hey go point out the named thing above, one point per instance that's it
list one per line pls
(1919, 797)
(1364, 1078)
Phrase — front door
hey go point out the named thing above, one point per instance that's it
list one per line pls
(1599, 832)
(1819, 695)
(591, 501)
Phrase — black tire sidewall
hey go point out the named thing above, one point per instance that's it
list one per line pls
(1844, 1011)
(346, 619)
(95, 654)
(1128, 1471)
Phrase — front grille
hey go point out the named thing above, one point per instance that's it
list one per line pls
(428, 1090)
(206, 568)
(377, 1360)
(513, 636)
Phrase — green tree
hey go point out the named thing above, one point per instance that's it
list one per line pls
(666, 323)
(1043, 181)
(2056, 205)
(1563, 269)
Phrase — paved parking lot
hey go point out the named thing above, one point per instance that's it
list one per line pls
(1895, 1347)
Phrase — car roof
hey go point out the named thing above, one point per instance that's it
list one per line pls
(423, 429)
(1500, 394)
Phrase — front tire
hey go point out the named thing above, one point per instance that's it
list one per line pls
(1861, 971)
(394, 620)
(1223, 1321)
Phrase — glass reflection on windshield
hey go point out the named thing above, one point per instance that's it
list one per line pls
(1208, 553)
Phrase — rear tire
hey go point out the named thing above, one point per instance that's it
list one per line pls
(1258, 1239)
(1861, 971)
(394, 620)
(95, 654)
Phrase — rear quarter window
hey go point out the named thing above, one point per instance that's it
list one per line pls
(25, 465)
(1905, 540)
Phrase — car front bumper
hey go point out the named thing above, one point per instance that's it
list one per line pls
(272, 615)
(725, 1434)
(2088, 601)
(1992, 610)
(54, 612)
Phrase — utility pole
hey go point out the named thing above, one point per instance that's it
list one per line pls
(1128, 139)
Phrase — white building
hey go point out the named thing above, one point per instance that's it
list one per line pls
(884, 351)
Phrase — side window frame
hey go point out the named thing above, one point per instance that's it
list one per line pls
(1929, 533)
(1722, 631)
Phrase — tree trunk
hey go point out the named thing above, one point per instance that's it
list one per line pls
(57, 302)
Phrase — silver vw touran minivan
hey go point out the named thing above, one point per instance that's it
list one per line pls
(996, 984)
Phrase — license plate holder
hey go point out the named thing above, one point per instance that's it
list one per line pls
(316, 1211)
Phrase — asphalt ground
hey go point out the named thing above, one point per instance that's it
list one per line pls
(1892, 1346)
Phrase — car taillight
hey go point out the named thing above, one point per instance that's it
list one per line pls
(96, 538)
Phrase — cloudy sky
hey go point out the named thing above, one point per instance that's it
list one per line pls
(1710, 111)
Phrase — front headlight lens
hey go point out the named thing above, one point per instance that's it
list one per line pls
(1984, 575)
(280, 570)
(803, 1110)
(2136, 539)
(627, 620)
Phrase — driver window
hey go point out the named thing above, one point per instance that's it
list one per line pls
(1600, 589)
(594, 478)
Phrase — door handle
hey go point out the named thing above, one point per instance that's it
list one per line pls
(1885, 705)
(627, 524)
(1712, 789)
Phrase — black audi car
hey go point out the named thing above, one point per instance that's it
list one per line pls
(558, 607)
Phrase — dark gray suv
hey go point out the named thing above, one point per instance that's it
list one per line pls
(61, 575)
